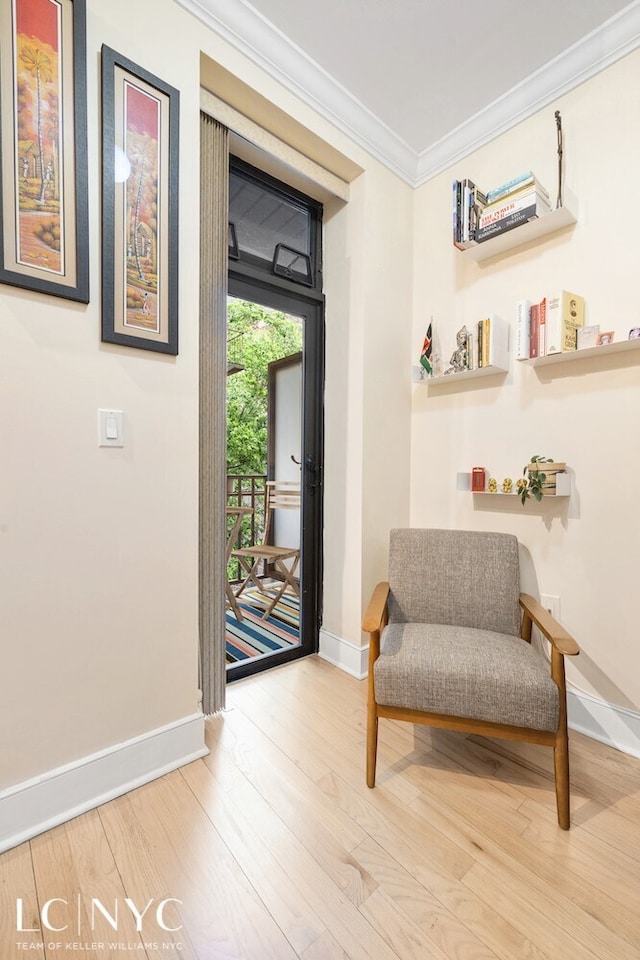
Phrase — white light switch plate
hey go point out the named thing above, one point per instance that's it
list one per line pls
(110, 428)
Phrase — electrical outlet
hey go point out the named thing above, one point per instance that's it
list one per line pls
(551, 603)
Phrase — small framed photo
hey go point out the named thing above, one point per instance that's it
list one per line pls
(140, 129)
(603, 338)
(44, 230)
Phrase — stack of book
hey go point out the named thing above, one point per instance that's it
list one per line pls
(513, 203)
(549, 326)
(479, 216)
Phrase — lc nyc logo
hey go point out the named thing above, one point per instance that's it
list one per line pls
(58, 915)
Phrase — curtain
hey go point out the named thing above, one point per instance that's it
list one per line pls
(214, 205)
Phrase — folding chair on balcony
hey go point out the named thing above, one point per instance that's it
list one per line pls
(280, 495)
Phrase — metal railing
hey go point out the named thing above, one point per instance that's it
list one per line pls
(246, 490)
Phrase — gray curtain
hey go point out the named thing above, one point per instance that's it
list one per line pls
(214, 206)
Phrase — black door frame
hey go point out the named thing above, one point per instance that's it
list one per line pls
(254, 280)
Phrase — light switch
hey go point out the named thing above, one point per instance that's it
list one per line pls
(110, 432)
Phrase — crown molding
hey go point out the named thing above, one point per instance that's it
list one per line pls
(598, 50)
(252, 35)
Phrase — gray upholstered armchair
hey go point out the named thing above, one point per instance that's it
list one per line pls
(450, 646)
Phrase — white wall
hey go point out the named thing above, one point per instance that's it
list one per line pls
(99, 547)
(585, 413)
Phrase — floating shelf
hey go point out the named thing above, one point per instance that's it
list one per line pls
(551, 222)
(563, 489)
(443, 379)
(605, 349)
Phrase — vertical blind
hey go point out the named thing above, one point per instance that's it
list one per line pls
(214, 203)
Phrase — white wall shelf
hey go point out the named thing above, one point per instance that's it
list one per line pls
(550, 223)
(605, 349)
(490, 371)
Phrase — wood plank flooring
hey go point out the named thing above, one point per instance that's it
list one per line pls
(273, 847)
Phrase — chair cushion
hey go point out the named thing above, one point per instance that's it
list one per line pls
(465, 672)
(461, 577)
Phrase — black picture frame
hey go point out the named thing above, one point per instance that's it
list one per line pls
(140, 182)
(44, 207)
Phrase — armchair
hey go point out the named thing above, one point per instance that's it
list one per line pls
(450, 646)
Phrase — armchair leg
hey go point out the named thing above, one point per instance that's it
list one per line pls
(372, 744)
(561, 766)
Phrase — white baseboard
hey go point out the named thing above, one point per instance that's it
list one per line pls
(616, 726)
(37, 805)
(344, 654)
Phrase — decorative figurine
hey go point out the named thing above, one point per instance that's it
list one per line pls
(521, 485)
(493, 485)
(507, 485)
(460, 356)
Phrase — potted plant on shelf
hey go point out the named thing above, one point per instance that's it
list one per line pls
(538, 478)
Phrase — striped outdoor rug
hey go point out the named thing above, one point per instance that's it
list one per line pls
(255, 637)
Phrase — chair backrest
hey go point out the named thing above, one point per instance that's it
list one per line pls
(458, 577)
(280, 495)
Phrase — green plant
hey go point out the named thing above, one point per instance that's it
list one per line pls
(531, 484)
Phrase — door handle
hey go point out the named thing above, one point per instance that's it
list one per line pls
(313, 473)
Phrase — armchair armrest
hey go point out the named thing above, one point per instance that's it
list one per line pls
(534, 612)
(375, 617)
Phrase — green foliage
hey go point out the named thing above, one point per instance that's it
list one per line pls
(264, 335)
(534, 479)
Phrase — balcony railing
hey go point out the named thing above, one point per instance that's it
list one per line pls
(246, 490)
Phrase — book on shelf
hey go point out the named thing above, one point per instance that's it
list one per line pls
(523, 334)
(492, 342)
(542, 327)
(565, 315)
(510, 222)
(511, 185)
(511, 204)
(477, 216)
(534, 330)
(468, 203)
(516, 197)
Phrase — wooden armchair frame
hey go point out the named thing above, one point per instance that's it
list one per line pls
(562, 644)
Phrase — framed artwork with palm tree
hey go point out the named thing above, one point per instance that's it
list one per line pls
(43, 147)
(140, 131)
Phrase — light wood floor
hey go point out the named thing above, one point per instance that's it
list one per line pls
(276, 848)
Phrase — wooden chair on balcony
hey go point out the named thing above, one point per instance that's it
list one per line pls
(280, 495)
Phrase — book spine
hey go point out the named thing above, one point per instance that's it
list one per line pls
(466, 209)
(486, 355)
(510, 185)
(523, 327)
(508, 223)
(512, 205)
(554, 324)
(534, 330)
(542, 328)
(479, 353)
(565, 316)
(470, 352)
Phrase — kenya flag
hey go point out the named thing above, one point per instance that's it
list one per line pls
(425, 356)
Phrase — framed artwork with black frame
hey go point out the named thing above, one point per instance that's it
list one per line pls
(140, 143)
(44, 228)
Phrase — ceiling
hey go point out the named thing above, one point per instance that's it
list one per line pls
(422, 82)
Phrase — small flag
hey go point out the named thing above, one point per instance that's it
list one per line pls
(425, 356)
